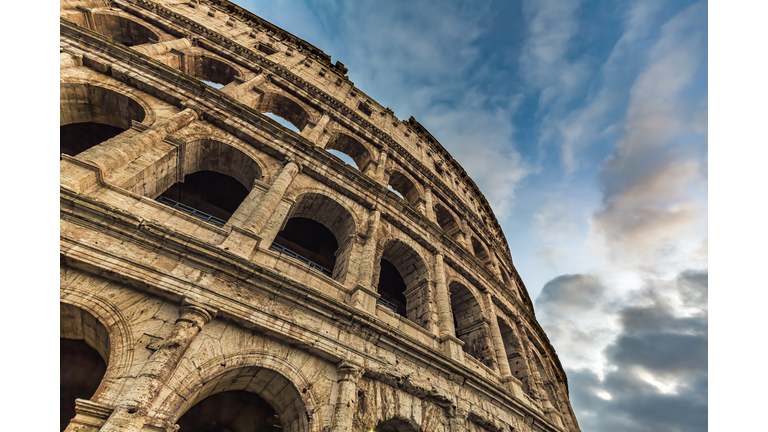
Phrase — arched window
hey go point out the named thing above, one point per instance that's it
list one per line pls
(283, 107)
(319, 233)
(209, 195)
(446, 221)
(518, 364)
(90, 115)
(83, 358)
(401, 276)
(218, 178)
(470, 324)
(351, 148)
(123, 30)
(397, 425)
(480, 251)
(248, 399)
(211, 69)
(404, 187)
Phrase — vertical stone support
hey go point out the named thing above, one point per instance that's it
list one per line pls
(314, 134)
(380, 166)
(160, 48)
(67, 60)
(364, 295)
(270, 200)
(498, 342)
(467, 234)
(430, 210)
(452, 346)
(345, 407)
(132, 410)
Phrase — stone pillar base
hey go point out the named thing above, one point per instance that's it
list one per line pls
(241, 242)
(452, 347)
(364, 299)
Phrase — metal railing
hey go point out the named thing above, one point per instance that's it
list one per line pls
(292, 254)
(190, 210)
(387, 303)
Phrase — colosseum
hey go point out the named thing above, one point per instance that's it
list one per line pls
(221, 272)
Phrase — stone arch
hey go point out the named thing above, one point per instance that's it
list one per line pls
(447, 220)
(123, 29)
(277, 381)
(398, 424)
(480, 251)
(217, 178)
(103, 103)
(405, 186)
(351, 147)
(413, 270)
(221, 157)
(207, 67)
(285, 107)
(120, 350)
(513, 345)
(333, 215)
(471, 324)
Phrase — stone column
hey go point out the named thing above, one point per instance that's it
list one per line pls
(364, 295)
(443, 300)
(271, 198)
(430, 210)
(132, 410)
(380, 167)
(467, 235)
(159, 48)
(67, 60)
(345, 408)
(498, 342)
(314, 134)
(112, 154)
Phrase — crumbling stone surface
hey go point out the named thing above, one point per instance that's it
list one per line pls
(181, 306)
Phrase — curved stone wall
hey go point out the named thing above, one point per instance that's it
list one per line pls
(381, 296)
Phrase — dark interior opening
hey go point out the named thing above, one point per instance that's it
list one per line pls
(310, 239)
(392, 286)
(230, 411)
(80, 375)
(76, 138)
(209, 192)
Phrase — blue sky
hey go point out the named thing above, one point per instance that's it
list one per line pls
(585, 124)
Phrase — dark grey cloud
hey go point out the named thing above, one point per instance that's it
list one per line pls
(657, 365)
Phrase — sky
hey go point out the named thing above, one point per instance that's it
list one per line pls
(585, 124)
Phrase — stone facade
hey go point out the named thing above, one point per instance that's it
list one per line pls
(185, 305)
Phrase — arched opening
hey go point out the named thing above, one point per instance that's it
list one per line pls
(210, 69)
(518, 364)
(402, 274)
(547, 382)
(505, 277)
(352, 148)
(248, 399)
(446, 221)
(123, 30)
(83, 358)
(311, 241)
(405, 187)
(397, 425)
(283, 107)
(90, 115)
(470, 323)
(322, 229)
(232, 411)
(480, 251)
(208, 195)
